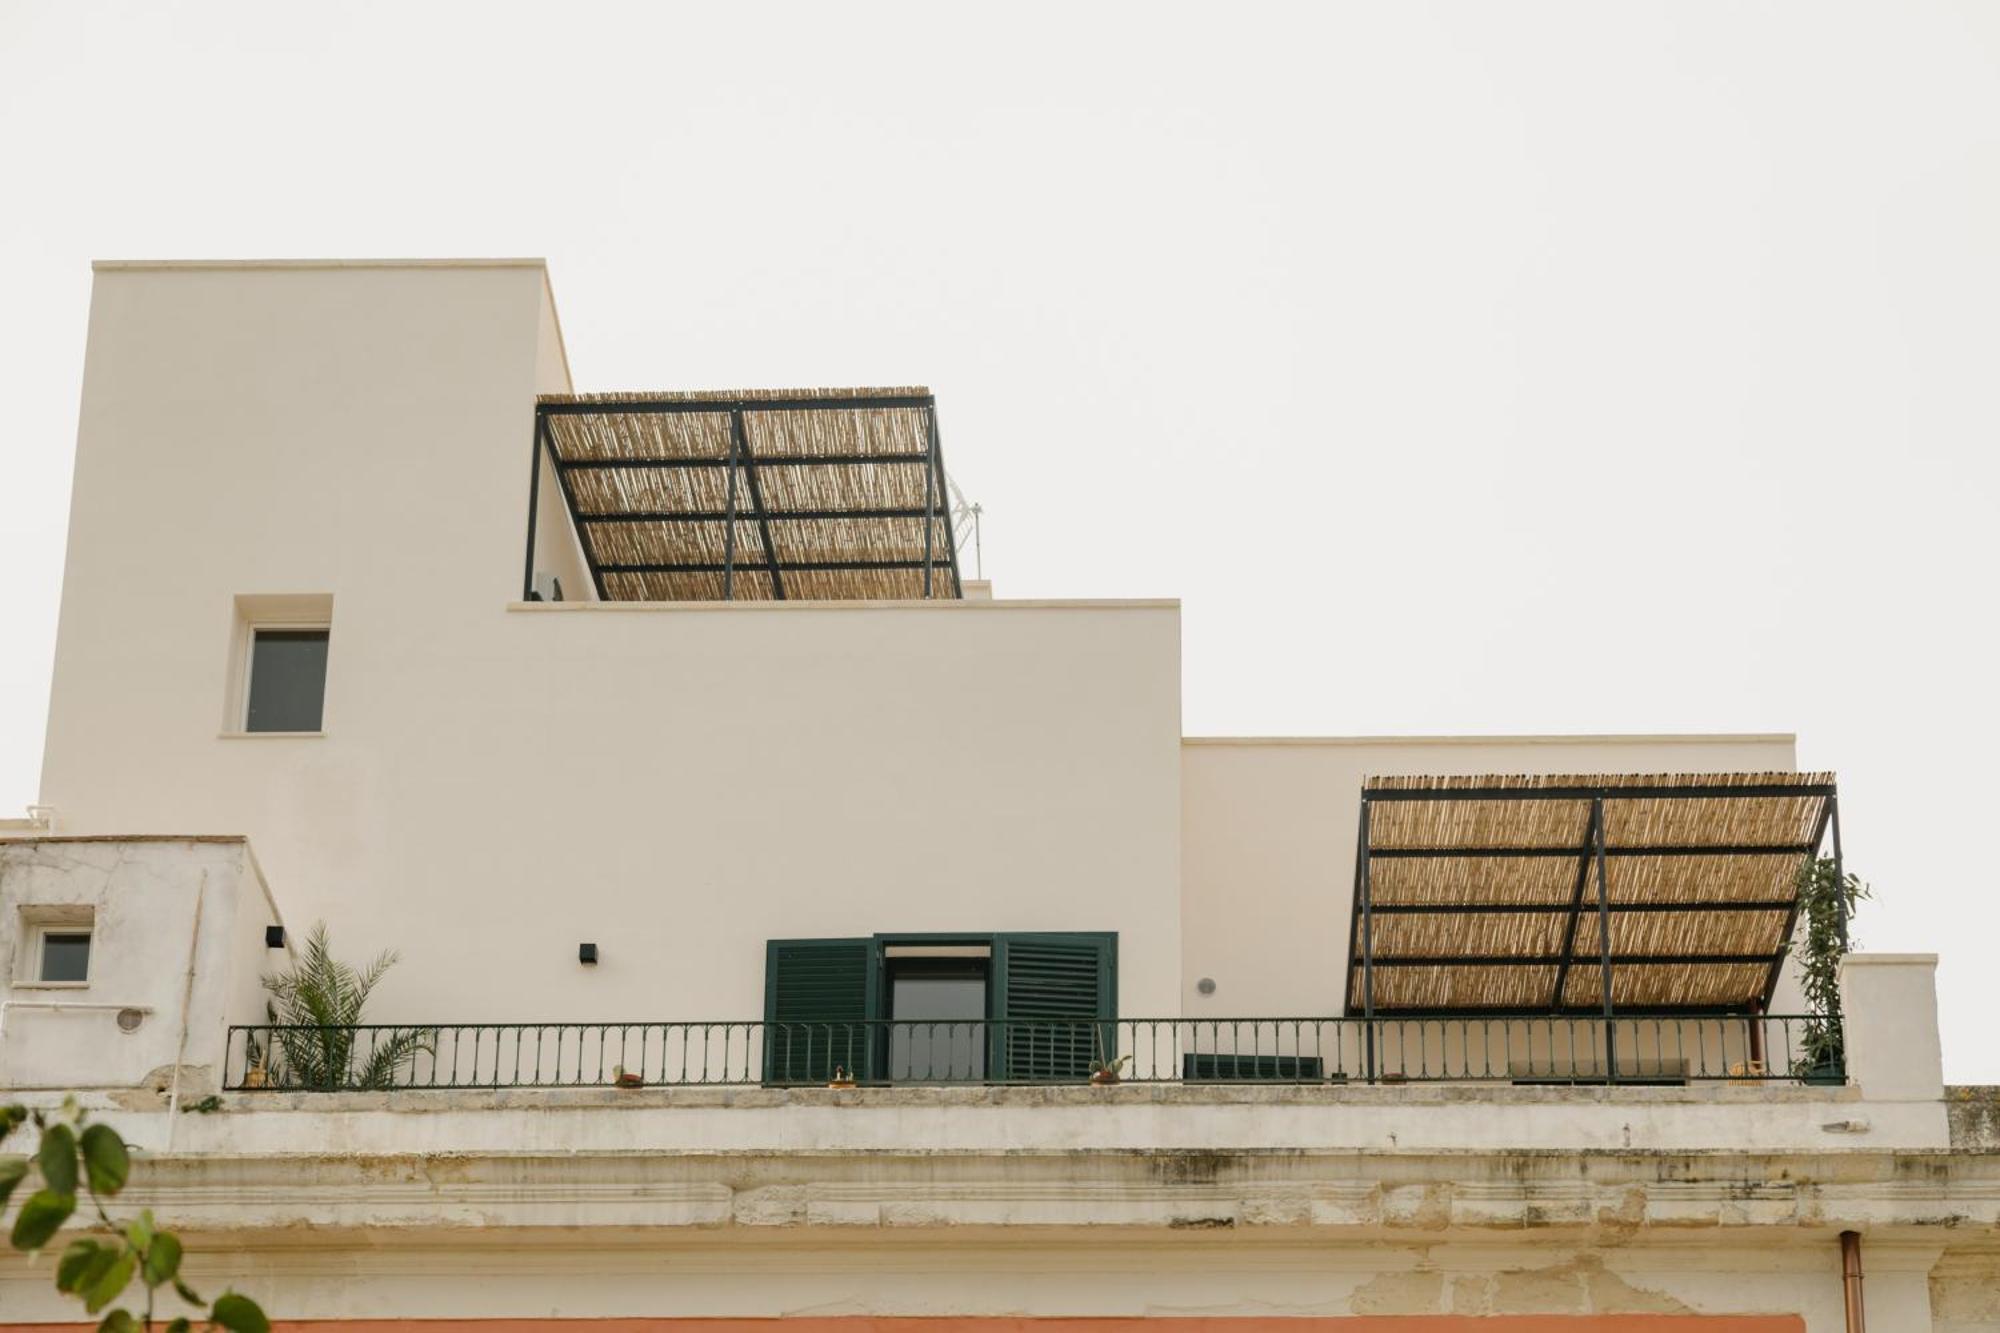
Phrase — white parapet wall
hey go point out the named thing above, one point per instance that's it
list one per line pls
(1889, 1005)
(176, 929)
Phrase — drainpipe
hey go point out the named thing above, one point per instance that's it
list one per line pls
(1850, 1282)
(187, 1004)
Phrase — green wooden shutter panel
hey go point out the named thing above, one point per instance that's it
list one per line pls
(816, 1009)
(1052, 987)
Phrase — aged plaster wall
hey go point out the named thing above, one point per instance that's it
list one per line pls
(1965, 1284)
(1468, 1119)
(1417, 1197)
(1974, 1114)
(1965, 1290)
(144, 898)
(1011, 1323)
(1165, 1277)
(332, 1232)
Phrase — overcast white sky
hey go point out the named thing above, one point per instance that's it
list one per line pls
(1464, 368)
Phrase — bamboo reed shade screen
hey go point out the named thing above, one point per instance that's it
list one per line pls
(802, 495)
(1481, 893)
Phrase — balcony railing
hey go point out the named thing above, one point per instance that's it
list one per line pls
(1550, 1050)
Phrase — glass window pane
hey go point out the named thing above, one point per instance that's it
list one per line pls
(940, 1028)
(287, 680)
(66, 957)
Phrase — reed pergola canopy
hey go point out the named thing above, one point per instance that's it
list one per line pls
(1597, 893)
(799, 495)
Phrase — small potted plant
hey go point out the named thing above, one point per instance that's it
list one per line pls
(841, 1078)
(256, 1067)
(1104, 1073)
(627, 1080)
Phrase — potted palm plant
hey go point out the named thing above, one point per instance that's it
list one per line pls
(315, 1013)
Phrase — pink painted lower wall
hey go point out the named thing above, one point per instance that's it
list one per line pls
(1596, 1323)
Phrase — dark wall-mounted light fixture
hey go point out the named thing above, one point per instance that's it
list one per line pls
(587, 954)
(274, 937)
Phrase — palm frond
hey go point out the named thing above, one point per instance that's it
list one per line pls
(391, 1056)
(315, 1010)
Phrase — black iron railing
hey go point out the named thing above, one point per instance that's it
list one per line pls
(1545, 1050)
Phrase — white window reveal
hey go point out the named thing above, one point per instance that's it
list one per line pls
(55, 945)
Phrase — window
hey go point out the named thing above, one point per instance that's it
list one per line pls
(1029, 1007)
(65, 956)
(54, 945)
(287, 680)
(937, 1011)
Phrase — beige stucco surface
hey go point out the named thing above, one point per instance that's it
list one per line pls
(498, 783)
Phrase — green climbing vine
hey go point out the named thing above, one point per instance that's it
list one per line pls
(1826, 899)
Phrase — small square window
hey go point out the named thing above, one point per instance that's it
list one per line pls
(287, 680)
(65, 956)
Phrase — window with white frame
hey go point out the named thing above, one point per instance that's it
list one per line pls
(278, 665)
(56, 946)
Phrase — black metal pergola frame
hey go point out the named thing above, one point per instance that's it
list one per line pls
(1591, 854)
(741, 459)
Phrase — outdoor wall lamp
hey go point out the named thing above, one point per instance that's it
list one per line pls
(587, 954)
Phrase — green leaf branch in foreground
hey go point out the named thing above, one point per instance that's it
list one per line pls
(98, 1268)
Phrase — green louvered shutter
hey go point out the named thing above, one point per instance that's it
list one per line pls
(1049, 988)
(816, 1009)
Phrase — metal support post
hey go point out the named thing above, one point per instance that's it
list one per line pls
(1604, 943)
(729, 521)
(1367, 942)
(534, 504)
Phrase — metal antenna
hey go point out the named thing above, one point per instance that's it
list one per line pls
(965, 516)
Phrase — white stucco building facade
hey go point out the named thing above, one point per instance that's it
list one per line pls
(731, 849)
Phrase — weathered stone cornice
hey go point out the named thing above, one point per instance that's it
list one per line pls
(1598, 1196)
